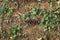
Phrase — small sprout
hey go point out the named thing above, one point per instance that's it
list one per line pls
(15, 36)
(19, 34)
(3, 35)
(34, 11)
(10, 10)
(49, 28)
(56, 12)
(27, 14)
(3, 8)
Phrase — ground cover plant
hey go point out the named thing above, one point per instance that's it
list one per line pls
(48, 20)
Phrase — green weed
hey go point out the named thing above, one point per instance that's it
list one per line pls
(48, 20)
(12, 33)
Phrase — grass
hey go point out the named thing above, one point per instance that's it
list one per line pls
(12, 33)
(47, 19)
